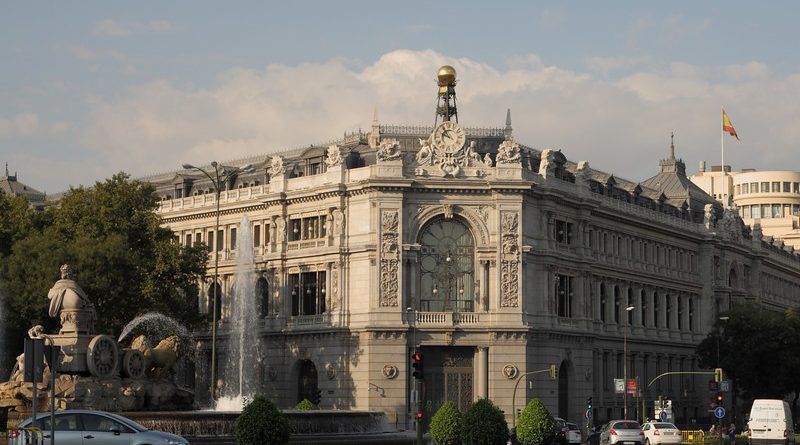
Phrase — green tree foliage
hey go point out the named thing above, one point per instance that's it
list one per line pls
(305, 405)
(536, 426)
(261, 423)
(758, 349)
(124, 260)
(484, 424)
(446, 425)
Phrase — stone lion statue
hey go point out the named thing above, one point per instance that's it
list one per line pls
(159, 360)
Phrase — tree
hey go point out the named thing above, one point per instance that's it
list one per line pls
(536, 426)
(484, 424)
(758, 349)
(125, 261)
(261, 423)
(446, 425)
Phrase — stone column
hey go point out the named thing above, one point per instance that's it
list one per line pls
(482, 380)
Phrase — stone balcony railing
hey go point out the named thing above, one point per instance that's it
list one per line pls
(447, 318)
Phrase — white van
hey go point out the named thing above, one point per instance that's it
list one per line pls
(771, 423)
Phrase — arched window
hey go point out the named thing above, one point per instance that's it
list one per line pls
(262, 296)
(447, 267)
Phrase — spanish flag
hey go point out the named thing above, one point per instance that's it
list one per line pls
(727, 126)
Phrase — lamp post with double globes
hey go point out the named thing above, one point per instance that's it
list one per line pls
(625, 362)
(218, 177)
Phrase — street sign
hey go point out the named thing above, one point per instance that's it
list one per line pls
(664, 416)
(719, 412)
(632, 386)
(725, 385)
(588, 414)
(619, 386)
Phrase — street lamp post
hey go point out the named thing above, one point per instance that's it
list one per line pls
(625, 363)
(221, 175)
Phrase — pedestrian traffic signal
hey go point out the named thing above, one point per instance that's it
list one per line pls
(417, 365)
(717, 375)
(316, 397)
(589, 403)
(719, 397)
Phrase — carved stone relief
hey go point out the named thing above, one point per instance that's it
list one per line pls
(338, 222)
(389, 150)
(509, 263)
(508, 153)
(277, 167)
(280, 230)
(334, 288)
(390, 258)
(334, 156)
(449, 161)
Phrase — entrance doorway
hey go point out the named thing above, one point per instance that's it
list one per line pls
(448, 377)
(306, 381)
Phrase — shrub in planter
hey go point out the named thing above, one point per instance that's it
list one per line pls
(484, 424)
(446, 425)
(305, 405)
(536, 426)
(262, 423)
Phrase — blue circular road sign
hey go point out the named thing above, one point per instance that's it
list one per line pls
(719, 412)
(663, 415)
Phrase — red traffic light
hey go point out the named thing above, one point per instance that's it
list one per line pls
(417, 357)
(719, 396)
(419, 415)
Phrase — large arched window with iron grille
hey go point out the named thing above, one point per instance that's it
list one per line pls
(447, 267)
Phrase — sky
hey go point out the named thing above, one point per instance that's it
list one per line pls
(91, 88)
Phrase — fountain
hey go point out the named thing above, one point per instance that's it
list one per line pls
(242, 357)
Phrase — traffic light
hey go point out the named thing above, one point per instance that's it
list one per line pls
(588, 403)
(553, 372)
(719, 397)
(419, 415)
(417, 365)
(717, 375)
(713, 386)
(316, 397)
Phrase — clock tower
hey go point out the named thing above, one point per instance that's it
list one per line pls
(446, 105)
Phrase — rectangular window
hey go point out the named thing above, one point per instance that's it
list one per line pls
(256, 235)
(691, 313)
(776, 187)
(198, 238)
(602, 302)
(745, 188)
(787, 187)
(220, 239)
(563, 232)
(564, 295)
(266, 234)
(765, 187)
(233, 238)
(308, 293)
(309, 228)
(753, 187)
(787, 211)
(796, 187)
(745, 211)
(777, 211)
(738, 190)
(178, 192)
(766, 211)
(188, 240)
(756, 212)
(796, 209)
(294, 229)
(210, 239)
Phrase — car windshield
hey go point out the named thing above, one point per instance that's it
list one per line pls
(572, 426)
(626, 426)
(665, 426)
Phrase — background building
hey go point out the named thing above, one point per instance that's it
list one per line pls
(10, 186)
(769, 199)
(494, 257)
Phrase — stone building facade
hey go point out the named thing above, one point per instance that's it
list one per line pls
(495, 258)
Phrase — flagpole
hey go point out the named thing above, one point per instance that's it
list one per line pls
(722, 145)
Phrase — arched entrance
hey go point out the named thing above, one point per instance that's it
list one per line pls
(447, 267)
(306, 380)
(563, 390)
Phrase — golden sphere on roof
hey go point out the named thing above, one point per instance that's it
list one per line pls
(446, 75)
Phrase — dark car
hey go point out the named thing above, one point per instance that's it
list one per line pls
(86, 427)
(562, 431)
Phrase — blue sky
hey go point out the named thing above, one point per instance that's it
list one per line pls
(91, 88)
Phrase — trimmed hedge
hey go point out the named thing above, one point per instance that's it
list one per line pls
(446, 425)
(536, 426)
(262, 423)
(484, 424)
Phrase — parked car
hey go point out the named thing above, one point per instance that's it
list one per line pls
(657, 433)
(770, 423)
(561, 431)
(622, 432)
(574, 436)
(87, 427)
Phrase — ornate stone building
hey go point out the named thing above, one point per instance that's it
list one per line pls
(494, 257)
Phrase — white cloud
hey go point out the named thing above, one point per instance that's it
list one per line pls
(114, 28)
(22, 124)
(619, 125)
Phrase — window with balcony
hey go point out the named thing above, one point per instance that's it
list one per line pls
(309, 228)
(447, 267)
(564, 295)
(307, 292)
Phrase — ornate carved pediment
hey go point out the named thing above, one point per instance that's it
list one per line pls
(333, 156)
(276, 166)
(389, 150)
(449, 155)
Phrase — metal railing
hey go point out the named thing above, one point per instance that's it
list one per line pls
(25, 436)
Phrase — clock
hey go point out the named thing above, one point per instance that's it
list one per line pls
(449, 136)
